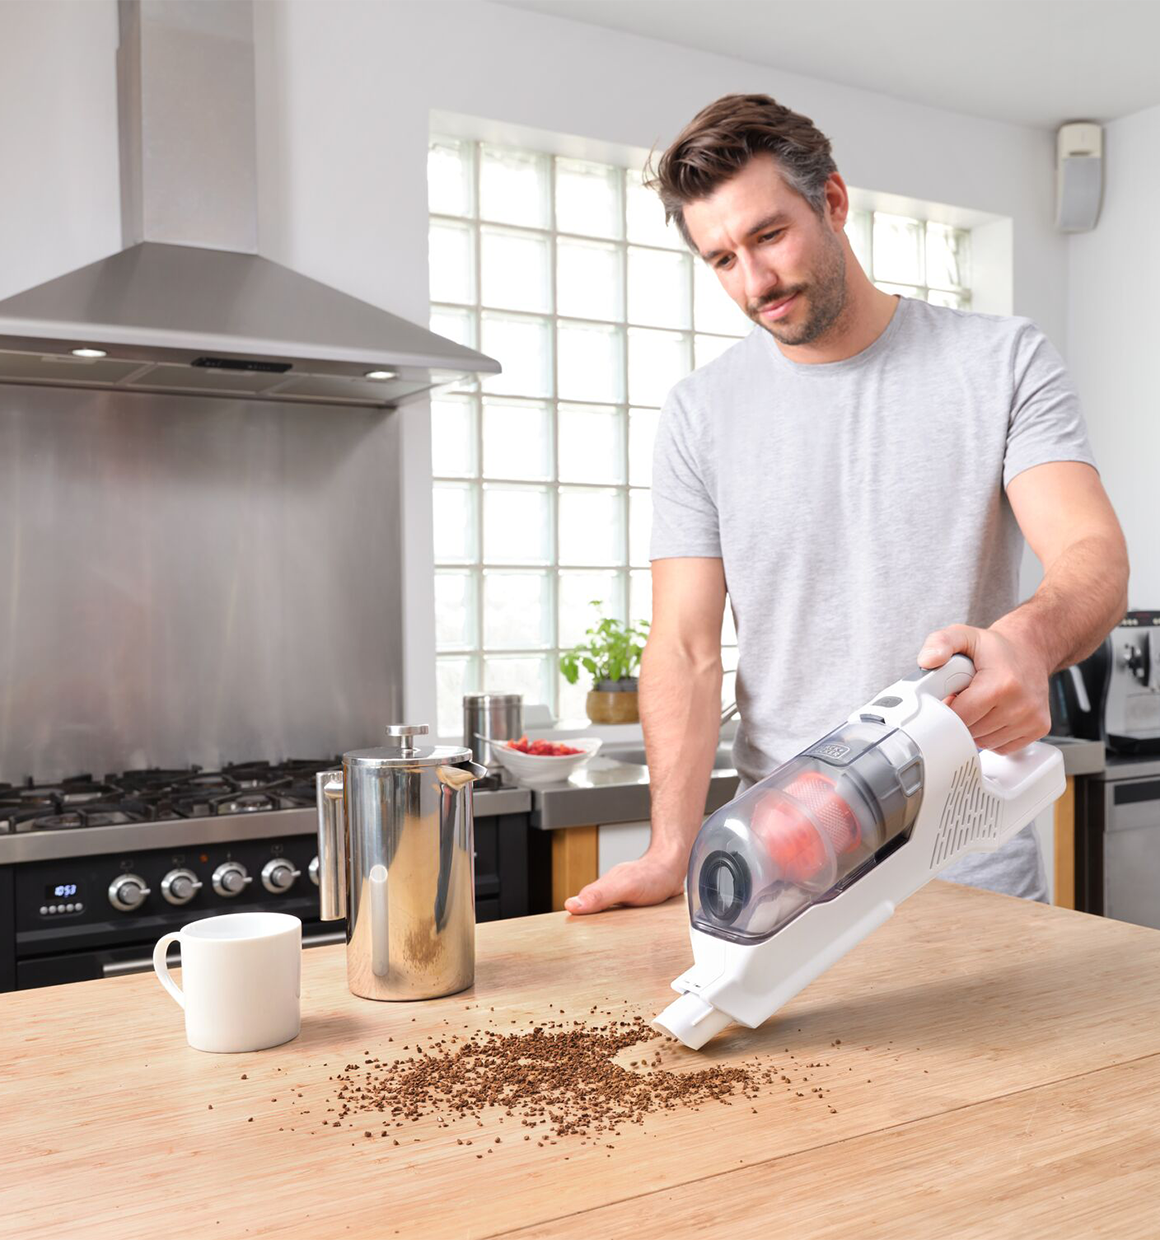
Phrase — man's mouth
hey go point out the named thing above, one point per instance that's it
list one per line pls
(778, 308)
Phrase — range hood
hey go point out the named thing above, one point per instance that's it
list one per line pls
(178, 319)
(189, 306)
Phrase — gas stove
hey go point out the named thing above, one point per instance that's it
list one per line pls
(93, 871)
(157, 795)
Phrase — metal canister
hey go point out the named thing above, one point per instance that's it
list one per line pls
(396, 854)
(491, 717)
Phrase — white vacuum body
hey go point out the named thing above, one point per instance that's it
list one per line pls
(793, 873)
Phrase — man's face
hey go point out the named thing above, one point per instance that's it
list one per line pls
(779, 262)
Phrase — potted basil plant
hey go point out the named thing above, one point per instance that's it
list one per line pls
(611, 656)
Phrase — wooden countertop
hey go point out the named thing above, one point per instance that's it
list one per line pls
(997, 1076)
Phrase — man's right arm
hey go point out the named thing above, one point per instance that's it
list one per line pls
(680, 707)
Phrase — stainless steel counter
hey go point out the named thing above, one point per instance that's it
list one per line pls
(607, 791)
(1080, 757)
(179, 832)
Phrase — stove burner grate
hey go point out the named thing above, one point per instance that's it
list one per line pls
(158, 794)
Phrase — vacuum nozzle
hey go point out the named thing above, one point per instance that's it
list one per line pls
(692, 1021)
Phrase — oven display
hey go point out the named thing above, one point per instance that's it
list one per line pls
(61, 891)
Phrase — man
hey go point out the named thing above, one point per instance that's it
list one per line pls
(857, 476)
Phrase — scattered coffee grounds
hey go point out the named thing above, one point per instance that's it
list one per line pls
(560, 1078)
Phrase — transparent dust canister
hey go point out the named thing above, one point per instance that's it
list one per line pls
(806, 831)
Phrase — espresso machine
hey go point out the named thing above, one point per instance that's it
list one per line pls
(1114, 694)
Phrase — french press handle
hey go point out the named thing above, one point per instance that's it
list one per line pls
(402, 732)
(331, 846)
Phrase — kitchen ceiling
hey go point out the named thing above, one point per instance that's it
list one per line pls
(1031, 62)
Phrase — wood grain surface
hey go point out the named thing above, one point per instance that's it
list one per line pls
(997, 1075)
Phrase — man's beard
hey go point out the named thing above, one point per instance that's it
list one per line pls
(825, 300)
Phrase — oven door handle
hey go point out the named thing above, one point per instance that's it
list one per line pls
(142, 964)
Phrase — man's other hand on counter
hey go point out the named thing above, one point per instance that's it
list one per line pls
(652, 879)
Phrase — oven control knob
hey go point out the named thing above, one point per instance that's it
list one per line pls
(230, 879)
(127, 892)
(314, 871)
(279, 875)
(180, 886)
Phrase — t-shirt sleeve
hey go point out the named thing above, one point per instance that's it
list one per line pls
(1046, 423)
(684, 513)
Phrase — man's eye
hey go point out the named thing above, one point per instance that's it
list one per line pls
(721, 263)
(769, 236)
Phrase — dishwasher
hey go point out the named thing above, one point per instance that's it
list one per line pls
(1117, 843)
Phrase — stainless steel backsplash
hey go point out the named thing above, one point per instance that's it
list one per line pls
(188, 580)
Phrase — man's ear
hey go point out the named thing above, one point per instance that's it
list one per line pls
(837, 201)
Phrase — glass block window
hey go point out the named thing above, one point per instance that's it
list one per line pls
(917, 258)
(565, 271)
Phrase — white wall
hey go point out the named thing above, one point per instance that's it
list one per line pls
(1113, 319)
(345, 90)
(60, 196)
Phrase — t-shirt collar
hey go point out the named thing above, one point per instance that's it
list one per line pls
(820, 369)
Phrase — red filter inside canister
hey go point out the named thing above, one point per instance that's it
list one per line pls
(790, 834)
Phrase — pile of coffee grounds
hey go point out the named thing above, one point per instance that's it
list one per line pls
(558, 1079)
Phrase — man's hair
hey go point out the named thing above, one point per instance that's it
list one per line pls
(723, 137)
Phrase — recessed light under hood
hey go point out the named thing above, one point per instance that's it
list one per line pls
(188, 307)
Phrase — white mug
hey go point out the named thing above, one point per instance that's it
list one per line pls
(241, 980)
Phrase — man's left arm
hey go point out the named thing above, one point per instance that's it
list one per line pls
(1068, 522)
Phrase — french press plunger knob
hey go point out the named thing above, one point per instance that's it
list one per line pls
(402, 732)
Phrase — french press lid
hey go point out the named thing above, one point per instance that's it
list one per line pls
(401, 750)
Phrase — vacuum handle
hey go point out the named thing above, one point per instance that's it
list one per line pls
(940, 682)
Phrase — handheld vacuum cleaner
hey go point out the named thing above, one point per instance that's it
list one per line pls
(789, 876)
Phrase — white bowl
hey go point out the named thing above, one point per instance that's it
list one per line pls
(538, 769)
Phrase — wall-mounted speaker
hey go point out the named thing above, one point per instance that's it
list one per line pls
(1079, 176)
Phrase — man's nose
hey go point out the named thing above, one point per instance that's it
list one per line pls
(758, 280)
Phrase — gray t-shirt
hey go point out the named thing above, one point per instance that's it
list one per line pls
(858, 505)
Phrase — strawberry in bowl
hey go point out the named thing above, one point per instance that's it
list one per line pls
(542, 761)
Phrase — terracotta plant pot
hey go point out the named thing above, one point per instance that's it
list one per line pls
(613, 701)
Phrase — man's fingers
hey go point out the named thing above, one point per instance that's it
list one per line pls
(942, 643)
(1004, 740)
(976, 711)
(1014, 746)
(987, 714)
(597, 896)
(631, 883)
(934, 653)
(590, 899)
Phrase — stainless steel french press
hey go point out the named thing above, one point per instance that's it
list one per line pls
(396, 857)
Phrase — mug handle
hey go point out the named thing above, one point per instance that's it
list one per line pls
(161, 966)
